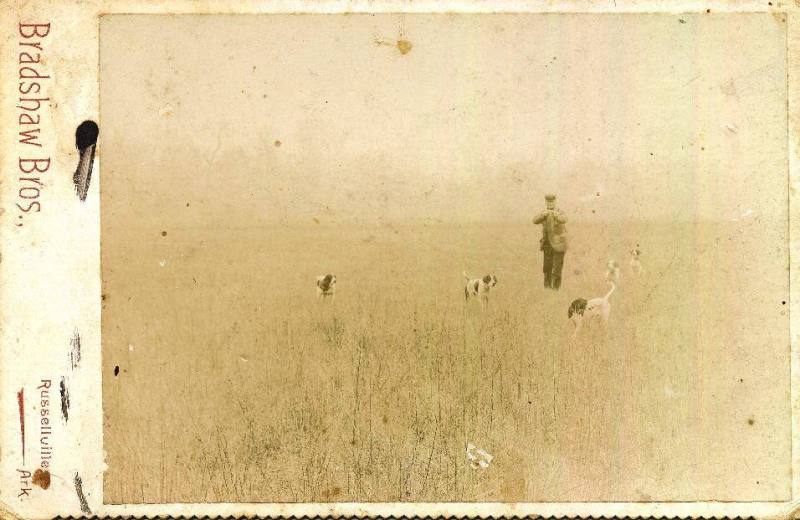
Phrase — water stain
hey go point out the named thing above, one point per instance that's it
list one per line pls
(41, 478)
(333, 492)
(728, 88)
(404, 46)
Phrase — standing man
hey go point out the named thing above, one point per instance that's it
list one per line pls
(553, 242)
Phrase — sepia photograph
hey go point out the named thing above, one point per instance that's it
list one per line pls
(419, 257)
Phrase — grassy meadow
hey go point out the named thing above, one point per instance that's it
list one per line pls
(236, 384)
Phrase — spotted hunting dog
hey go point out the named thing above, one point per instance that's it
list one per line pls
(326, 286)
(479, 287)
(596, 310)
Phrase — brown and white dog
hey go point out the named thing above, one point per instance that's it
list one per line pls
(479, 287)
(596, 310)
(326, 286)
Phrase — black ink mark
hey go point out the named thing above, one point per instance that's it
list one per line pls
(85, 141)
(75, 350)
(116, 370)
(64, 399)
(81, 497)
(21, 406)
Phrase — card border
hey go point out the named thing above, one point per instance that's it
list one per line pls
(73, 227)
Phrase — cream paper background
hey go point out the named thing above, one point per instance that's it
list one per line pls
(50, 271)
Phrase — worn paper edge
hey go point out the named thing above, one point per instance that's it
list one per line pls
(35, 344)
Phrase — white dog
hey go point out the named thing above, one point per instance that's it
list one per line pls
(612, 272)
(326, 286)
(594, 310)
(636, 263)
(479, 287)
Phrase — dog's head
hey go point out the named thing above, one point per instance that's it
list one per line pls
(577, 307)
(490, 280)
(612, 265)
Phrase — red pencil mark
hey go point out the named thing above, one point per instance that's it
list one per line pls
(21, 404)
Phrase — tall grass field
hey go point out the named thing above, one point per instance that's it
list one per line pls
(235, 383)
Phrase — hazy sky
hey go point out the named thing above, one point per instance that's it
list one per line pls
(663, 116)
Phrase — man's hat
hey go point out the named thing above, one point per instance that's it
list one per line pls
(549, 196)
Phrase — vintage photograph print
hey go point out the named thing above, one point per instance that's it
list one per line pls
(445, 258)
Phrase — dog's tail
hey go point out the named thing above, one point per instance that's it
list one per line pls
(613, 286)
(466, 277)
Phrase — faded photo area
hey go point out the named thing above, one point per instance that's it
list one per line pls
(323, 265)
